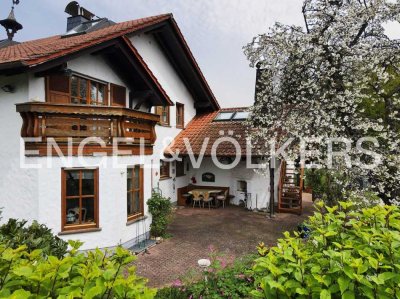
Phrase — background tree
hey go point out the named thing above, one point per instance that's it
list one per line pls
(336, 77)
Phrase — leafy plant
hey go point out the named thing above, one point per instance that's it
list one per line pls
(16, 233)
(225, 279)
(325, 184)
(96, 274)
(161, 211)
(349, 254)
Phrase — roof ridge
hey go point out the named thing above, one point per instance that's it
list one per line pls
(35, 49)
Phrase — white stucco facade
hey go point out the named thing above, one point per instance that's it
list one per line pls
(35, 194)
(178, 92)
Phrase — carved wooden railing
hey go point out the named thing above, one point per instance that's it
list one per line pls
(71, 124)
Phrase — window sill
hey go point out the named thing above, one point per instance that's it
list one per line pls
(164, 178)
(180, 127)
(79, 231)
(165, 125)
(134, 220)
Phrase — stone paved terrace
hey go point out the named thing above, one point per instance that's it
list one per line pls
(232, 231)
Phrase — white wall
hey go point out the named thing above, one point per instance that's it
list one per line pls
(257, 183)
(112, 200)
(95, 66)
(18, 187)
(160, 66)
(177, 91)
(36, 89)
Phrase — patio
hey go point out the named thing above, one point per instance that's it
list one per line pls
(231, 231)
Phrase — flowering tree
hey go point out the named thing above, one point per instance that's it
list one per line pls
(335, 78)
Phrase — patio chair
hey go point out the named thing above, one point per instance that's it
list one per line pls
(196, 198)
(207, 199)
(223, 198)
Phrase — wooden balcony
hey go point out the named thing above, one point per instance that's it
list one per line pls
(68, 125)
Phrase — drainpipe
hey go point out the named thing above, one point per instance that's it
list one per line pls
(151, 171)
(272, 190)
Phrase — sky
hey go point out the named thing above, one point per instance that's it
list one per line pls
(216, 31)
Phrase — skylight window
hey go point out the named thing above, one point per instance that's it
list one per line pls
(241, 115)
(224, 116)
(232, 116)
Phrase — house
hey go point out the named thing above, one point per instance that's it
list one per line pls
(86, 117)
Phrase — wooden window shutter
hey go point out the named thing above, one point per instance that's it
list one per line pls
(118, 95)
(58, 89)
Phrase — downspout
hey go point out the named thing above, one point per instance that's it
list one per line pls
(272, 189)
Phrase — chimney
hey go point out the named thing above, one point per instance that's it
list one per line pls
(78, 15)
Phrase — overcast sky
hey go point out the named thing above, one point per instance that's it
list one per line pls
(216, 31)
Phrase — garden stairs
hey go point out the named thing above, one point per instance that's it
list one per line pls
(290, 189)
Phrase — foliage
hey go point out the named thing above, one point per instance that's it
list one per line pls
(225, 279)
(334, 80)
(16, 233)
(161, 211)
(326, 185)
(364, 199)
(349, 254)
(96, 274)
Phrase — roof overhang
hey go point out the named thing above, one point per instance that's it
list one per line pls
(122, 57)
(172, 43)
(174, 46)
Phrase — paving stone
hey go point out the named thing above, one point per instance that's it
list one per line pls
(232, 231)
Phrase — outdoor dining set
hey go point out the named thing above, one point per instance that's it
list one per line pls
(210, 197)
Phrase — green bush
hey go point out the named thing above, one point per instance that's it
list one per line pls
(96, 274)
(349, 254)
(161, 211)
(15, 233)
(327, 185)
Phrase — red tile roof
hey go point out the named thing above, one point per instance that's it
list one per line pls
(34, 52)
(41, 50)
(202, 127)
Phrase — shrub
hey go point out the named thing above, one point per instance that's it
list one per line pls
(35, 236)
(349, 254)
(364, 199)
(225, 279)
(327, 185)
(96, 274)
(161, 210)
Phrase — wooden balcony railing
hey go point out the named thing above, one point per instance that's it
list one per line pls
(69, 125)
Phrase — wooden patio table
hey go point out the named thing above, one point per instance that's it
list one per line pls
(209, 191)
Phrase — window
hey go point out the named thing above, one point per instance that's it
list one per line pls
(232, 116)
(224, 116)
(79, 199)
(79, 88)
(164, 169)
(241, 115)
(97, 93)
(163, 112)
(180, 168)
(76, 90)
(242, 186)
(135, 192)
(180, 120)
